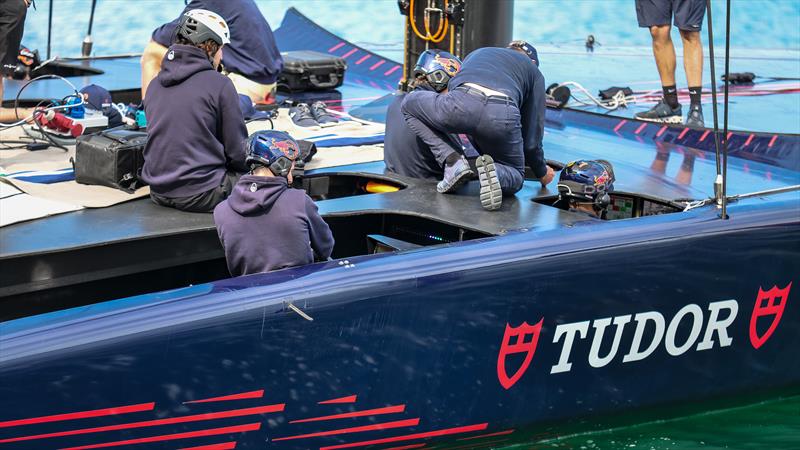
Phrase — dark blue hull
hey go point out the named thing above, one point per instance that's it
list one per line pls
(425, 333)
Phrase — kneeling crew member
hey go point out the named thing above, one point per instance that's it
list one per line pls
(264, 225)
(585, 186)
(404, 152)
(498, 99)
(194, 152)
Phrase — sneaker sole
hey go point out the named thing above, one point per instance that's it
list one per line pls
(671, 119)
(491, 194)
(460, 180)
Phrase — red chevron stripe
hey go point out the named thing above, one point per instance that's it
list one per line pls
(366, 412)
(172, 437)
(378, 426)
(348, 399)
(80, 415)
(152, 423)
(221, 446)
(408, 437)
(224, 398)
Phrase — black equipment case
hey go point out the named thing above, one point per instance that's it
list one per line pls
(306, 70)
(112, 158)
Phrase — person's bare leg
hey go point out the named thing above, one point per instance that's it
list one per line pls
(8, 114)
(692, 57)
(664, 53)
(151, 63)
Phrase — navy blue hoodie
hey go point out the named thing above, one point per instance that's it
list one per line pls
(514, 74)
(264, 225)
(252, 52)
(194, 124)
(403, 152)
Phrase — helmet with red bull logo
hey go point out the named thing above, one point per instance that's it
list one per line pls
(587, 181)
(275, 150)
(438, 67)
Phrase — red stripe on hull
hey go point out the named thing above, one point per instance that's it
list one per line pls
(641, 127)
(349, 53)
(348, 399)
(705, 134)
(749, 140)
(157, 422)
(390, 71)
(378, 426)
(499, 433)
(377, 64)
(80, 415)
(772, 141)
(408, 437)
(366, 412)
(363, 58)
(336, 47)
(620, 125)
(173, 437)
(683, 133)
(221, 446)
(661, 131)
(224, 398)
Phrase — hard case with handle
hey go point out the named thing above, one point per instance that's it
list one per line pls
(307, 70)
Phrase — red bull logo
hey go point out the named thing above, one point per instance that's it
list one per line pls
(288, 148)
(602, 180)
(450, 66)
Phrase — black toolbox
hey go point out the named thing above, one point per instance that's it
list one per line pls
(307, 70)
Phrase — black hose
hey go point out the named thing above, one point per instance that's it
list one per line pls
(91, 18)
(713, 84)
(725, 120)
(49, 26)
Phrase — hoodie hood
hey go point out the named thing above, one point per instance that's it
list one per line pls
(254, 194)
(181, 62)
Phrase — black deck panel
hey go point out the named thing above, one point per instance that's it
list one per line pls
(139, 236)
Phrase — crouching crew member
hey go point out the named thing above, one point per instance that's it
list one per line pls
(252, 60)
(194, 153)
(404, 152)
(585, 186)
(498, 99)
(265, 225)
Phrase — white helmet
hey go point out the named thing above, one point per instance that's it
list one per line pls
(200, 25)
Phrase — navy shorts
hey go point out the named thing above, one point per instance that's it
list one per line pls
(688, 14)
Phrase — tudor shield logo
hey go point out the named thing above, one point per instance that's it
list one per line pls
(524, 337)
(768, 303)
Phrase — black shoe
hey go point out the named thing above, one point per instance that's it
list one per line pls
(301, 115)
(695, 117)
(662, 113)
(320, 112)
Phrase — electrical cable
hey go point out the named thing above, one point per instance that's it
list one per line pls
(443, 25)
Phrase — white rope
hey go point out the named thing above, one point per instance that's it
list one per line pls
(619, 99)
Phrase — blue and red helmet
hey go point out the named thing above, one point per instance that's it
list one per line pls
(275, 150)
(438, 67)
(587, 181)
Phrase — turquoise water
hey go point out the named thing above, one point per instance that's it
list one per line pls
(123, 26)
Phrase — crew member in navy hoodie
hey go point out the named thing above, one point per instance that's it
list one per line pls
(252, 60)
(266, 225)
(404, 152)
(497, 98)
(194, 153)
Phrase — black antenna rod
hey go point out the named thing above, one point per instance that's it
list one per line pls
(725, 120)
(49, 26)
(86, 46)
(718, 181)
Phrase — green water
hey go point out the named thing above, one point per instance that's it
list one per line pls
(773, 424)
